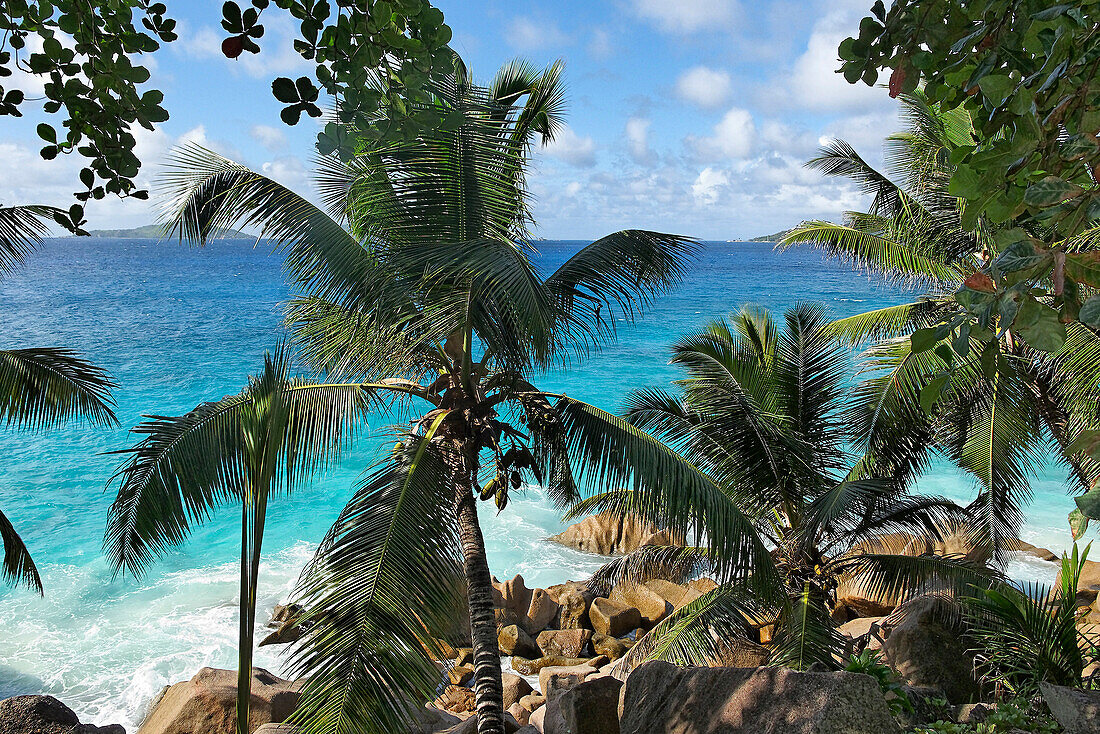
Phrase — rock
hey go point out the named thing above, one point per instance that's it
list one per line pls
(703, 585)
(532, 609)
(557, 678)
(532, 701)
(1087, 585)
(612, 618)
(573, 598)
(520, 714)
(464, 656)
(537, 717)
(609, 534)
(925, 647)
(460, 675)
(515, 688)
(285, 620)
(208, 703)
(612, 647)
(567, 643)
(739, 653)
(456, 700)
(528, 730)
(1042, 554)
(532, 667)
(661, 698)
(860, 627)
(277, 729)
(677, 595)
(282, 636)
(1077, 711)
(591, 707)
(514, 640)
(469, 726)
(284, 613)
(45, 715)
(650, 605)
(973, 713)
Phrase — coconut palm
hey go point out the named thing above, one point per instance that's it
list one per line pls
(41, 388)
(983, 398)
(267, 439)
(765, 411)
(418, 283)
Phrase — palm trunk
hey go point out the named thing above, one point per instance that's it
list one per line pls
(254, 515)
(488, 689)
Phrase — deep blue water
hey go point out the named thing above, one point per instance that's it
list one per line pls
(176, 326)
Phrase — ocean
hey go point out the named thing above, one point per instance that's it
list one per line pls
(176, 326)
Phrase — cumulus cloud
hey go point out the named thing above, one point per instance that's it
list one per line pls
(277, 55)
(527, 34)
(688, 16)
(703, 86)
(599, 46)
(813, 81)
(637, 140)
(271, 138)
(734, 137)
(573, 149)
(707, 185)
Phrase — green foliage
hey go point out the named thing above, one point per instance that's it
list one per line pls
(1026, 74)
(947, 372)
(1024, 637)
(870, 662)
(1008, 716)
(371, 55)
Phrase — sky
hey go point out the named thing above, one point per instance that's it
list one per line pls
(686, 116)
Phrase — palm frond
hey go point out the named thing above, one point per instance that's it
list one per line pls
(674, 563)
(805, 634)
(902, 577)
(21, 231)
(383, 586)
(40, 388)
(185, 466)
(18, 567)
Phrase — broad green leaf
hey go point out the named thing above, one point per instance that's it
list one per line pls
(1078, 523)
(1084, 267)
(1039, 326)
(1089, 504)
(965, 183)
(931, 392)
(924, 339)
(1050, 191)
(996, 88)
(1090, 312)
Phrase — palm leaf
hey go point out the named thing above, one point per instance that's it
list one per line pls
(21, 231)
(40, 388)
(18, 567)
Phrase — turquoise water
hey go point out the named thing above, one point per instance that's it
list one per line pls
(176, 326)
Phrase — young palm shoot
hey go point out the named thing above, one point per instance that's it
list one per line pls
(269, 438)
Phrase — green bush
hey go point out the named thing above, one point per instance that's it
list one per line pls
(1008, 715)
(869, 662)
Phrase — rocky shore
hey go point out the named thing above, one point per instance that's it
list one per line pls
(570, 667)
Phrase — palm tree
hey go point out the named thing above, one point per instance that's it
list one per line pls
(41, 388)
(766, 413)
(268, 438)
(418, 284)
(982, 397)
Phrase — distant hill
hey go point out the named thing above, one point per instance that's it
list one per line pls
(155, 232)
(771, 237)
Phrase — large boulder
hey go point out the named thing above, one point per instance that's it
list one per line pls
(650, 605)
(1077, 711)
(925, 646)
(45, 715)
(1088, 584)
(532, 609)
(612, 647)
(514, 640)
(588, 708)
(677, 595)
(208, 703)
(515, 688)
(532, 667)
(661, 698)
(610, 534)
(613, 618)
(555, 679)
(573, 598)
(569, 643)
(428, 720)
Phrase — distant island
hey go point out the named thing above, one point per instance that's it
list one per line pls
(155, 232)
(772, 237)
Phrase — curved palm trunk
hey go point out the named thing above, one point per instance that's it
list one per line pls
(488, 689)
(254, 514)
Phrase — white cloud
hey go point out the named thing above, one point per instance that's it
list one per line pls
(707, 185)
(573, 188)
(527, 34)
(687, 16)
(734, 137)
(271, 138)
(637, 140)
(277, 55)
(573, 149)
(599, 47)
(814, 83)
(708, 88)
(290, 172)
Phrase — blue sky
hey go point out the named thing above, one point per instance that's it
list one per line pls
(687, 116)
